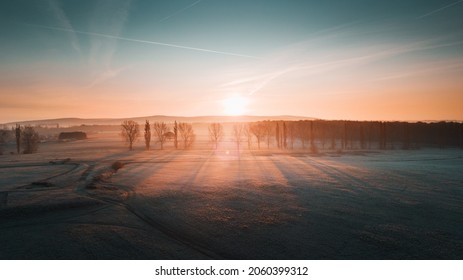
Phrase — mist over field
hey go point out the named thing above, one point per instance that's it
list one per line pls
(245, 129)
(96, 199)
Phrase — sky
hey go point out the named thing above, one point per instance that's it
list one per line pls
(333, 59)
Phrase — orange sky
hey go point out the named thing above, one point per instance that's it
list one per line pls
(384, 62)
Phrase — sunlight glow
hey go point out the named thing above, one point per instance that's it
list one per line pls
(235, 105)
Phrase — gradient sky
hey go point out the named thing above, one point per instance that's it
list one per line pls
(336, 59)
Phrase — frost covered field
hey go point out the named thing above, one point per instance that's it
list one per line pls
(68, 202)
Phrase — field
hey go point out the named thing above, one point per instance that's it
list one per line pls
(67, 202)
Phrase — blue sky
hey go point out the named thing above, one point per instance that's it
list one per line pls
(327, 59)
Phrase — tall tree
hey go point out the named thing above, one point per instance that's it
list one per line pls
(258, 130)
(238, 133)
(3, 139)
(344, 138)
(248, 134)
(30, 139)
(187, 134)
(285, 135)
(130, 130)
(313, 146)
(160, 131)
(267, 130)
(215, 133)
(147, 134)
(17, 132)
(362, 137)
(382, 135)
(301, 130)
(175, 135)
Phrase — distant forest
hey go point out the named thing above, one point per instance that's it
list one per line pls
(322, 134)
(311, 135)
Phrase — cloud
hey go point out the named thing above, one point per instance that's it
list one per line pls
(440, 9)
(149, 42)
(293, 63)
(180, 11)
(107, 75)
(108, 17)
(424, 69)
(64, 22)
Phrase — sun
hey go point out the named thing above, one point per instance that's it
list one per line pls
(235, 105)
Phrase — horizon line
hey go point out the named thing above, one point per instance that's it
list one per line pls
(227, 116)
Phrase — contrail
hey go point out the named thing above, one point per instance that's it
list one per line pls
(440, 9)
(144, 41)
(180, 11)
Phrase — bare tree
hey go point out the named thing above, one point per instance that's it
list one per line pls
(215, 133)
(175, 135)
(17, 132)
(30, 140)
(160, 130)
(291, 131)
(248, 134)
(284, 143)
(4, 138)
(2, 141)
(147, 134)
(258, 130)
(130, 130)
(267, 131)
(302, 131)
(187, 134)
(238, 133)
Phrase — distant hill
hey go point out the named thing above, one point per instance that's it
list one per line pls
(65, 122)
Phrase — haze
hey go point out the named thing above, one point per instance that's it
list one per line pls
(361, 60)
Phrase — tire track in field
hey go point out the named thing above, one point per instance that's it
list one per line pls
(74, 165)
(177, 236)
(61, 220)
(136, 208)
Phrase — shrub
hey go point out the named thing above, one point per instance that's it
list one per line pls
(117, 165)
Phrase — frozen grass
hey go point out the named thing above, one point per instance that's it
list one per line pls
(223, 204)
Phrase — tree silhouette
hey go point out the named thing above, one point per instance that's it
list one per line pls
(362, 138)
(30, 139)
(215, 133)
(187, 134)
(284, 143)
(313, 146)
(17, 132)
(3, 139)
(238, 133)
(175, 135)
(248, 134)
(147, 134)
(267, 130)
(130, 131)
(160, 130)
(259, 131)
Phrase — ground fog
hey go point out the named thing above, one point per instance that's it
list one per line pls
(68, 202)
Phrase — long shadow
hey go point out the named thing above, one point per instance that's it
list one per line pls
(136, 204)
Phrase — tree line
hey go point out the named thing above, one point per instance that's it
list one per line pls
(341, 135)
(309, 135)
(26, 138)
(180, 133)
